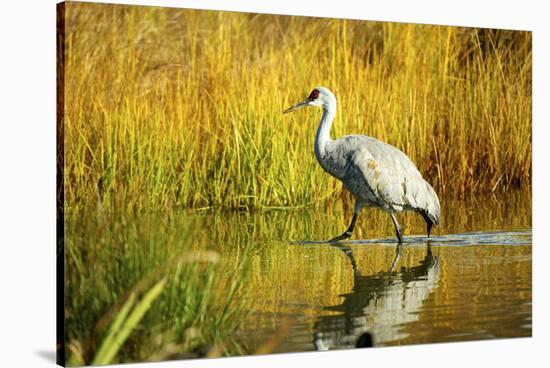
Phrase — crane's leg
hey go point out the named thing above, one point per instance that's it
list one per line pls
(349, 231)
(398, 230)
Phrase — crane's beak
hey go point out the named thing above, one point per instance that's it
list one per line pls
(299, 105)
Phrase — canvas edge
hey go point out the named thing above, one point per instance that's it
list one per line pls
(60, 187)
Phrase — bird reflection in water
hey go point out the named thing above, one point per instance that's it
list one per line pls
(378, 305)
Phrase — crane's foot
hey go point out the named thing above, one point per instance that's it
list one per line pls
(399, 235)
(348, 232)
(345, 235)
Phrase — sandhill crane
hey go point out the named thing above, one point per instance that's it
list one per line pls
(376, 173)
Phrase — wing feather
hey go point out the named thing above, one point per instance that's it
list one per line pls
(391, 176)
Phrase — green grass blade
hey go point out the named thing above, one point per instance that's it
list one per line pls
(113, 330)
(119, 336)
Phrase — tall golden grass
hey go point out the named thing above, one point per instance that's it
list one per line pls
(174, 108)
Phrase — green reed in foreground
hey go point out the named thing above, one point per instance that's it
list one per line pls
(139, 289)
(182, 108)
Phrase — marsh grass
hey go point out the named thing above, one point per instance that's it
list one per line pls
(174, 108)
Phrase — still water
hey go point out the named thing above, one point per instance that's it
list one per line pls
(471, 280)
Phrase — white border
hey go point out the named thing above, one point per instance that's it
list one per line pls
(27, 180)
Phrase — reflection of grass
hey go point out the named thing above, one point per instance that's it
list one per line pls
(181, 108)
(110, 258)
(138, 289)
(301, 279)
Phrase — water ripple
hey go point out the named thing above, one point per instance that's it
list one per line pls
(520, 237)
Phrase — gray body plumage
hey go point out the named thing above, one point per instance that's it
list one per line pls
(379, 175)
(376, 173)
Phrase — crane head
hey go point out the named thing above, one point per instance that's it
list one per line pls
(320, 97)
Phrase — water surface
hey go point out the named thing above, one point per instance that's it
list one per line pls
(471, 280)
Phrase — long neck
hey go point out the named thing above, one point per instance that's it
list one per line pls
(323, 132)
